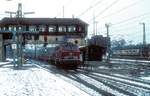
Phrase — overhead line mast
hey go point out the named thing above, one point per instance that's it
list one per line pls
(144, 35)
(19, 12)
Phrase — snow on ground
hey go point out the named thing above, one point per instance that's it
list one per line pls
(127, 81)
(100, 85)
(33, 81)
(130, 60)
(146, 78)
(2, 63)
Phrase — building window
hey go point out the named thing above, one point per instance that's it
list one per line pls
(10, 28)
(71, 28)
(62, 28)
(80, 28)
(20, 28)
(4, 28)
(52, 29)
(14, 28)
(42, 28)
(24, 28)
(32, 28)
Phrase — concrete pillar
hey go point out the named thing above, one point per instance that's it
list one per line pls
(2, 53)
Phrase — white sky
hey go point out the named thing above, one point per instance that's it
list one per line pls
(117, 15)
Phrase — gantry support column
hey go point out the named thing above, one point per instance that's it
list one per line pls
(2, 53)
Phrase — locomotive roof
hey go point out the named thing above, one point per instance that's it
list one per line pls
(40, 21)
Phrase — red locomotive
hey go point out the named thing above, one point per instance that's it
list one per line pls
(66, 56)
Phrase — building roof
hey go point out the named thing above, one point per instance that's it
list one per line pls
(40, 21)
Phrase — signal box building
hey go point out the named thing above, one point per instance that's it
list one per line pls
(45, 30)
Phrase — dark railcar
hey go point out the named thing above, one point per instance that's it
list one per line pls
(92, 53)
(96, 48)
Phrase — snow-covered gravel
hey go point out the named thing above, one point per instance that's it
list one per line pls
(80, 85)
(100, 85)
(33, 81)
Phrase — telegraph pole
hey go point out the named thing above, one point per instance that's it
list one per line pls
(108, 42)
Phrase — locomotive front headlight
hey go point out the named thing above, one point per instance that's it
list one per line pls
(70, 54)
(75, 57)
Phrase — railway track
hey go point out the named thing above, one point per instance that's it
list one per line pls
(125, 86)
(131, 62)
(121, 86)
(119, 76)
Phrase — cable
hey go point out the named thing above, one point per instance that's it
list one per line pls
(106, 9)
(124, 8)
(129, 28)
(132, 18)
(97, 3)
(117, 24)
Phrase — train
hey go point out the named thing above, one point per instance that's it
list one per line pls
(96, 48)
(133, 52)
(66, 55)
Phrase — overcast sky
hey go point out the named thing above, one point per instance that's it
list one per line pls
(123, 16)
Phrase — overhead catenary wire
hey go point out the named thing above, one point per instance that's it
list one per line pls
(137, 33)
(89, 8)
(105, 9)
(122, 9)
(132, 18)
(127, 20)
(131, 30)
